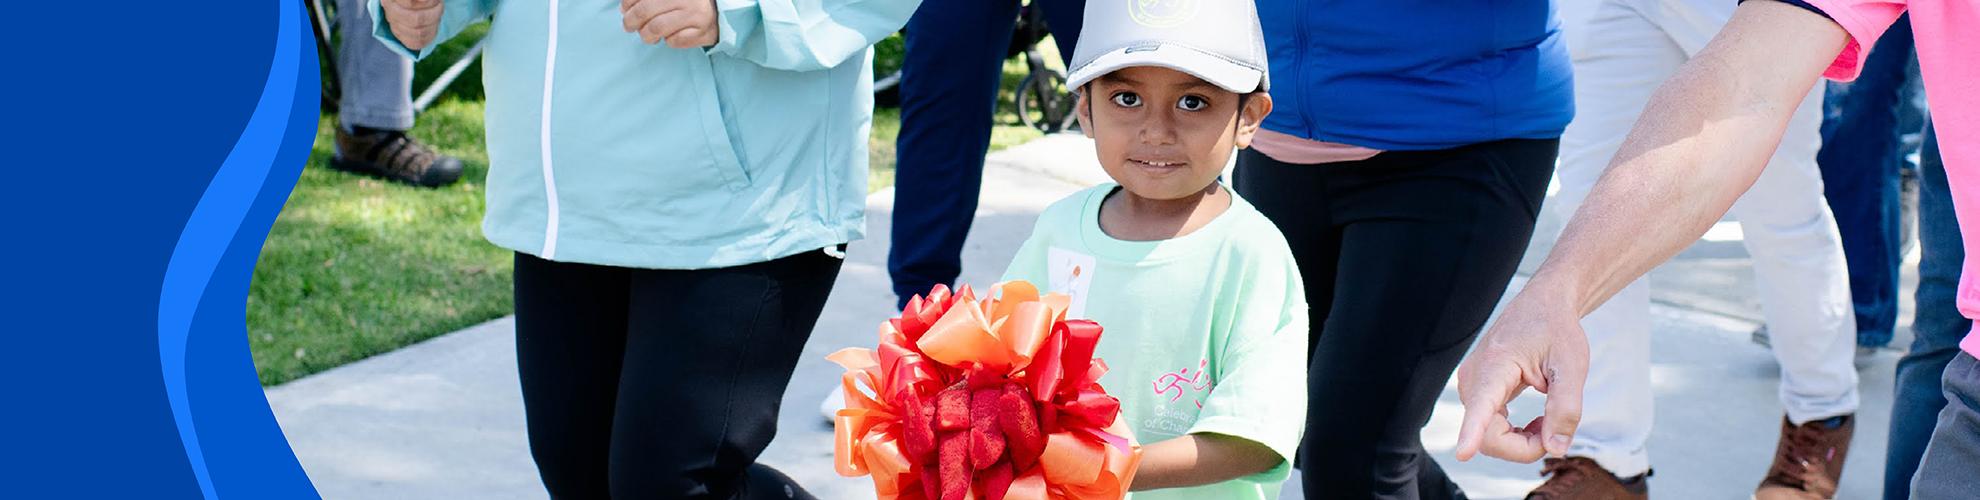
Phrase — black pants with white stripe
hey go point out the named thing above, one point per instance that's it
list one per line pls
(642, 383)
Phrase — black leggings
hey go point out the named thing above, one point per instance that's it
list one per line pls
(1404, 256)
(641, 383)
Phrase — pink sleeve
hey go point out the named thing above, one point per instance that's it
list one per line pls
(1865, 21)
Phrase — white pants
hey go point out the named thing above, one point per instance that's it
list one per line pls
(1622, 51)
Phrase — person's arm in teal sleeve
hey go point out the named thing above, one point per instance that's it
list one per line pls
(1250, 425)
(805, 35)
(1253, 438)
(455, 16)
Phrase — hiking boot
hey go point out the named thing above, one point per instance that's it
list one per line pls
(1809, 459)
(391, 154)
(1580, 478)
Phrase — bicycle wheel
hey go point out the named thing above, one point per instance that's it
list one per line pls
(1047, 106)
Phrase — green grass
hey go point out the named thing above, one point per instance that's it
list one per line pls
(880, 149)
(356, 266)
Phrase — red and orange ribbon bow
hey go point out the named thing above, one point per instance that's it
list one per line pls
(989, 399)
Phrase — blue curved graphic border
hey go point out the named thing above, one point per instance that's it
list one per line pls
(229, 435)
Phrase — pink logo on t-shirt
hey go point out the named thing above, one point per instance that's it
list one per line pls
(1184, 381)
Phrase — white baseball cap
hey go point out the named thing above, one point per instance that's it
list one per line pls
(1218, 41)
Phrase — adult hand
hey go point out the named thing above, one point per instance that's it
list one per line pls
(681, 23)
(1537, 342)
(413, 22)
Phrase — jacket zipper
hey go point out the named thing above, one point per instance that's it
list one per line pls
(1299, 69)
(549, 181)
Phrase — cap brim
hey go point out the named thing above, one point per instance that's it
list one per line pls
(1211, 68)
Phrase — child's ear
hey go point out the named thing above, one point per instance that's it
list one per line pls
(1252, 116)
(1084, 111)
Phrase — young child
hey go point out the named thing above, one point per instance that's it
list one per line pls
(1205, 316)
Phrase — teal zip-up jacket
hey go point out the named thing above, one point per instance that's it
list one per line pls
(605, 150)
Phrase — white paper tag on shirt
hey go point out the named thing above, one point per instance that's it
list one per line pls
(1071, 274)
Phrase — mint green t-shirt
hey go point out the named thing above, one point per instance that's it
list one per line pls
(1205, 333)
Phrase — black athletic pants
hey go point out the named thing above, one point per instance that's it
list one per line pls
(642, 383)
(1404, 256)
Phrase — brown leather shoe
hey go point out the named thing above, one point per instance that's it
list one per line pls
(392, 154)
(1579, 478)
(1809, 459)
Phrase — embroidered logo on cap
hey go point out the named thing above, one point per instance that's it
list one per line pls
(1161, 13)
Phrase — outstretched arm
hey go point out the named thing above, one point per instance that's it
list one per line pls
(1701, 142)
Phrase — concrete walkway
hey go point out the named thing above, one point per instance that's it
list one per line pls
(443, 419)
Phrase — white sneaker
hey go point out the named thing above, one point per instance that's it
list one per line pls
(829, 408)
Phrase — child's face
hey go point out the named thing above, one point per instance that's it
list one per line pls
(1163, 134)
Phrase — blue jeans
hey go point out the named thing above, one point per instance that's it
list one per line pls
(949, 78)
(1938, 325)
(1870, 129)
